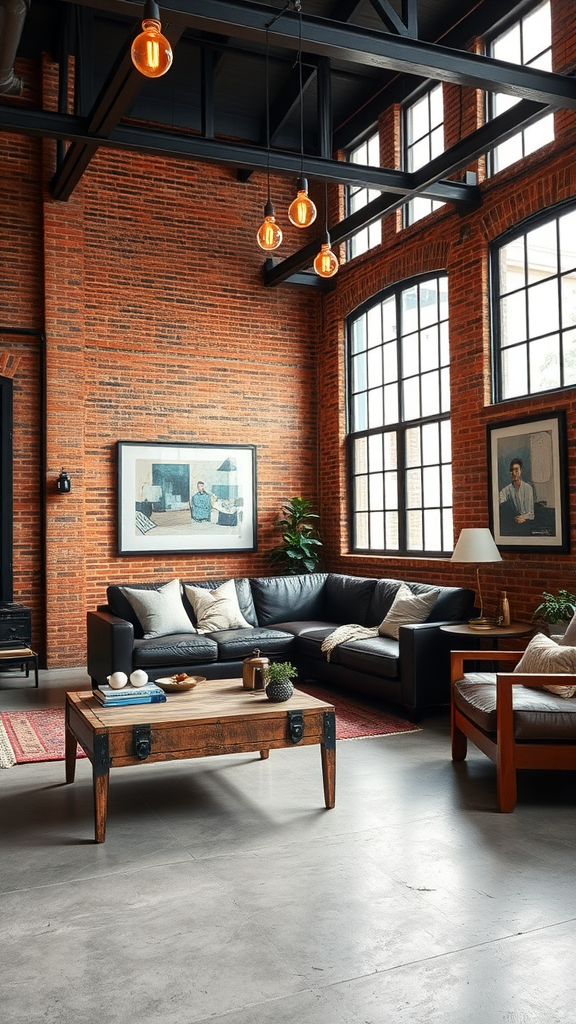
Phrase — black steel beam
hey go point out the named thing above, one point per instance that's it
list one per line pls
(135, 138)
(356, 45)
(385, 11)
(117, 94)
(453, 160)
(398, 88)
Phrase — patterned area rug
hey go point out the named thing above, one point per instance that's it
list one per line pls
(357, 719)
(27, 736)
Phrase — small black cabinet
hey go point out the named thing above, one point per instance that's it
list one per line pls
(15, 625)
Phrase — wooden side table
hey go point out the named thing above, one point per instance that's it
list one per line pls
(515, 629)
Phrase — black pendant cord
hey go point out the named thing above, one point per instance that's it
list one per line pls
(268, 112)
(298, 6)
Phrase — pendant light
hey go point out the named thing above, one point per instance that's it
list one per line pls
(326, 262)
(301, 211)
(269, 234)
(151, 52)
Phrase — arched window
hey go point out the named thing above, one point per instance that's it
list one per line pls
(534, 305)
(399, 420)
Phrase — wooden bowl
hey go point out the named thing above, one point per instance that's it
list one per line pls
(171, 686)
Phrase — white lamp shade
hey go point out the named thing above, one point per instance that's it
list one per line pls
(476, 544)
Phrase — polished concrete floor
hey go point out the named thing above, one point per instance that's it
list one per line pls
(225, 892)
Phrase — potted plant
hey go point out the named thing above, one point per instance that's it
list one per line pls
(556, 610)
(277, 676)
(298, 552)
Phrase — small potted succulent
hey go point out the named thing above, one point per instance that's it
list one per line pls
(277, 676)
(555, 611)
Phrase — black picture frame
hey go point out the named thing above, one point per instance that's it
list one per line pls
(186, 498)
(528, 487)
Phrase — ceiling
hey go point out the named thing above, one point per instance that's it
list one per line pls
(357, 58)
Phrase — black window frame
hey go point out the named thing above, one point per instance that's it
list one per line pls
(398, 428)
(546, 216)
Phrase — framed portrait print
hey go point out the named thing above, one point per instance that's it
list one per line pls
(186, 498)
(528, 484)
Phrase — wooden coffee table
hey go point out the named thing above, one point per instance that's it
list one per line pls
(217, 717)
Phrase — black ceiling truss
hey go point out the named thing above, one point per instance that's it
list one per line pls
(454, 159)
(392, 61)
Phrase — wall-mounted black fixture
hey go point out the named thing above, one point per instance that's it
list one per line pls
(63, 484)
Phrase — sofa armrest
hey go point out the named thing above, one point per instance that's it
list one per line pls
(425, 664)
(110, 645)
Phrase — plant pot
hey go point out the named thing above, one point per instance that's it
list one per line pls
(554, 628)
(279, 690)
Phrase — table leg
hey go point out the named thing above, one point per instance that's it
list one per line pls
(70, 754)
(328, 755)
(264, 754)
(100, 785)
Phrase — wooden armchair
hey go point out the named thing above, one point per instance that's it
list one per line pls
(514, 726)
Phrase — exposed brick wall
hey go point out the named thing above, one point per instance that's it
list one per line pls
(148, 285)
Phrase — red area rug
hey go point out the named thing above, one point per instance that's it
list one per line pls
(358, 719)
(33, 736)
(28, 736)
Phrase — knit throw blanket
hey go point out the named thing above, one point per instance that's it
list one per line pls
(344, 633)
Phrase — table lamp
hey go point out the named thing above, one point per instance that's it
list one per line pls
(476, 544)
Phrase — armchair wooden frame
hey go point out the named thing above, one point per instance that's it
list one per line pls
(506, 753)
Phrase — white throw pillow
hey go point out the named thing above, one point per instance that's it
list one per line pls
(407, 608)
(160, 612)
(544, 655)
(216, 609)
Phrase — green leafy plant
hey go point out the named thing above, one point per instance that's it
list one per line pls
(558, 607)
(298, 552)
(276, 671)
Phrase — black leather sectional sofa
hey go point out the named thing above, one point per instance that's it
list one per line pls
(288, 617)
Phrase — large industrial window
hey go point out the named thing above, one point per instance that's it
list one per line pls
(423, 140)
(369, 155)
(534, 306)
(527, 41)
(399, 421)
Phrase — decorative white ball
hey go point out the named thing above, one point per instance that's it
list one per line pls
(139, 677)
(117, 680)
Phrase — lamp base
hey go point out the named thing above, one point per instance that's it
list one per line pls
(482, 623)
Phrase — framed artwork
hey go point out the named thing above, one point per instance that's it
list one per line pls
(186, 498)
(528, 483)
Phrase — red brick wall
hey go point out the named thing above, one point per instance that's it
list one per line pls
(148, 285)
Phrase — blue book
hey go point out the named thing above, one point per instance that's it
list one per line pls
(149, 694)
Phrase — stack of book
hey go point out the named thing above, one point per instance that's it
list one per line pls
(111, 698)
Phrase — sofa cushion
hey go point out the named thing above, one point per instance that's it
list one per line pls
(537, 715)
(216, 609)
(348, 598)
(119, 604)
(179, 649)
(452, 603)
(243, 593)
(159, 611)
(237, 644)
(309, 642)
(407, 609)
(279, 598)
(375, 657)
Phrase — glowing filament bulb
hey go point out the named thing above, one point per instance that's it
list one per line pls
(302, 211)
(151, 51)
(326, 262)
(269, 235)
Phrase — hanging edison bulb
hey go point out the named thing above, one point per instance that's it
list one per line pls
(326, 262)
(151, 51)
(302, 211)
(269, 235)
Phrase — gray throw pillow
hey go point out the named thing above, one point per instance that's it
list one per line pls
(160, 611)
(407, 609)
